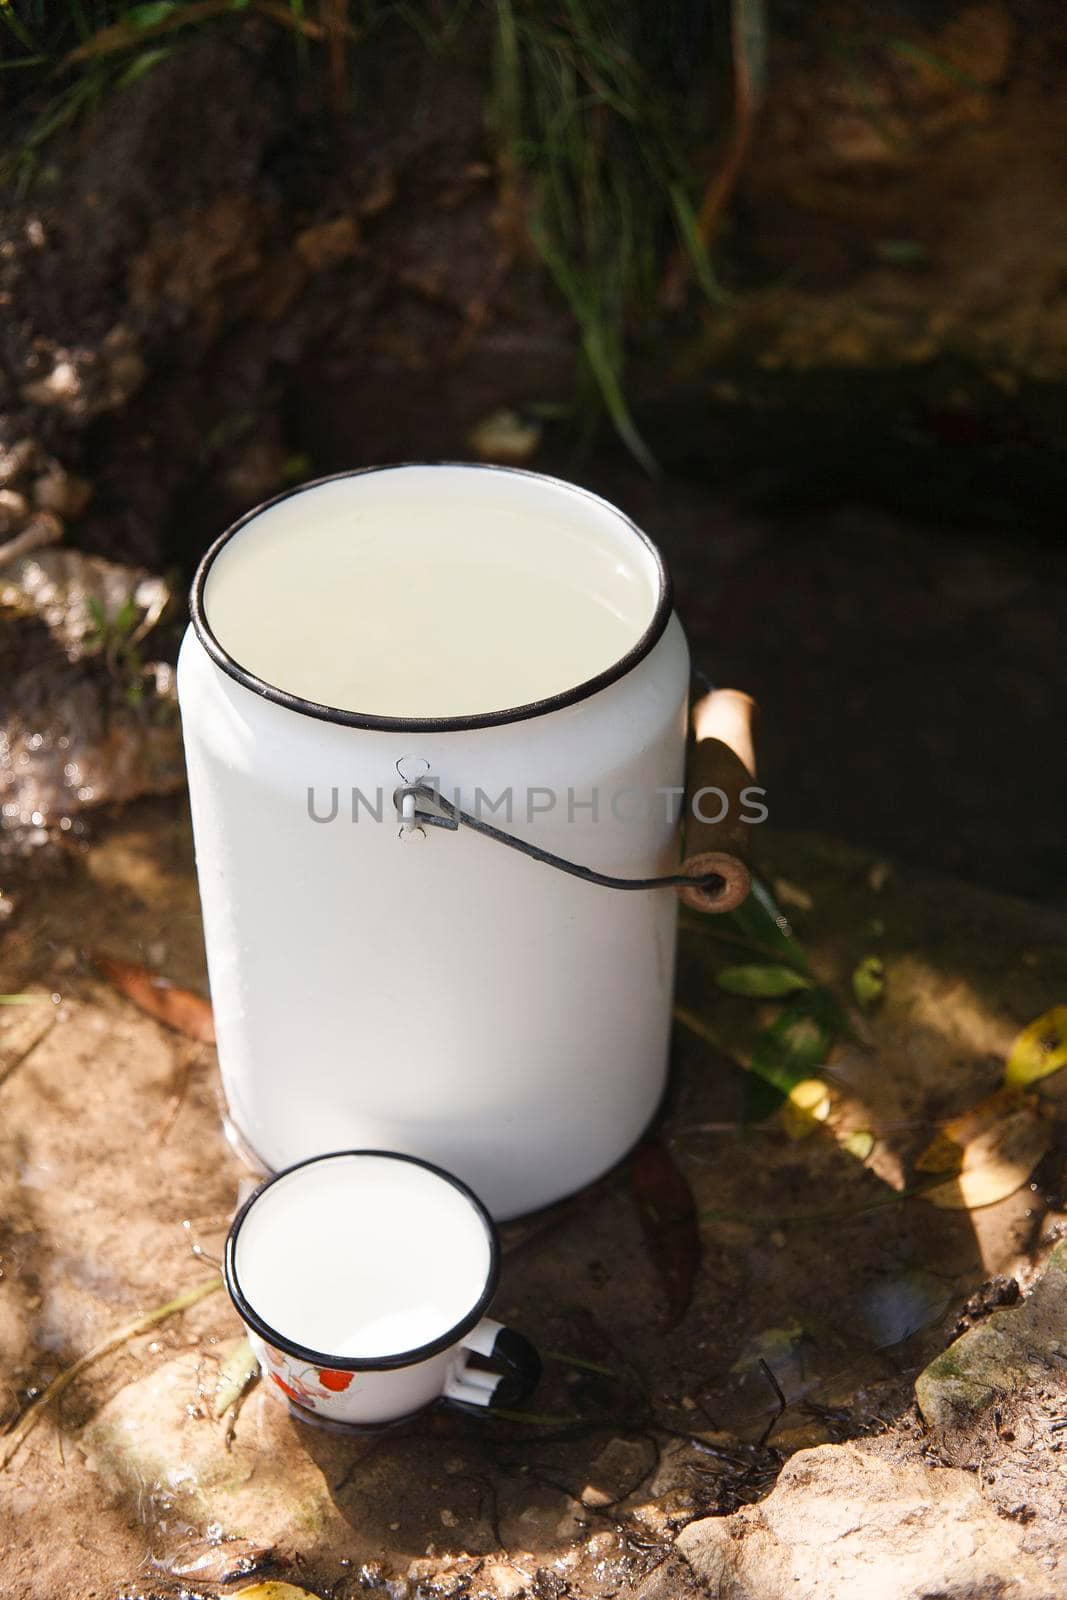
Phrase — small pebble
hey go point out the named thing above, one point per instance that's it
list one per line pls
(62, 384)
(14, 509)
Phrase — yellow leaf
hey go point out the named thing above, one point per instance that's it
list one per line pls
(858, 1144)
(807, 1104)
(992, 1150)
(1039, 1050)
(272, 1590)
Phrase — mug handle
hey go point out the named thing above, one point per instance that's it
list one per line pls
(473, 1386)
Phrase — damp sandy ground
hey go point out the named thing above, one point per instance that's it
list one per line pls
(117, 1188)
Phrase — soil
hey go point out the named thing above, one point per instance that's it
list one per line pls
(815, 1277)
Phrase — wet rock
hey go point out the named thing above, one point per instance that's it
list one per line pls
(1006, 1352)
(842, 1524)
(152, 1433)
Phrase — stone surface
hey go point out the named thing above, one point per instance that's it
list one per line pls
(1002, 1355)
(842, 1524)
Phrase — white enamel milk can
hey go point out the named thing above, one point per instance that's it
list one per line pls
(413, 697)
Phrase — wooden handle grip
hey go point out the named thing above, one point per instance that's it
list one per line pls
(722, 759)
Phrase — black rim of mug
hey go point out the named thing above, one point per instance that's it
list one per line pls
(487, 719)
(334, 1363)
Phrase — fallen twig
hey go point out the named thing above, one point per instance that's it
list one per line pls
(786, 1219)
(21, 1430)
(783, 1404)
(180, 1085)
(7, 1068)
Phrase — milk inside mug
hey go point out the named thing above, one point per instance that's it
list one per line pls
(426, 990)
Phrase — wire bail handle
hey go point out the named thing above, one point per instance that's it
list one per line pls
(712, 878)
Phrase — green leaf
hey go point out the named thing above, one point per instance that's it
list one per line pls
(761, 921)
(141, 65)
(791, 1048)
(126, 616)
(17, 26)
(686, 222)
(764, 982)
(868, 982)
(147, 16)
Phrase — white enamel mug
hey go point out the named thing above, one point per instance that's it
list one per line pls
(363, 1277)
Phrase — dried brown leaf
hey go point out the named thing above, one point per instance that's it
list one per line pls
(991, 1151)
(177, 1008)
